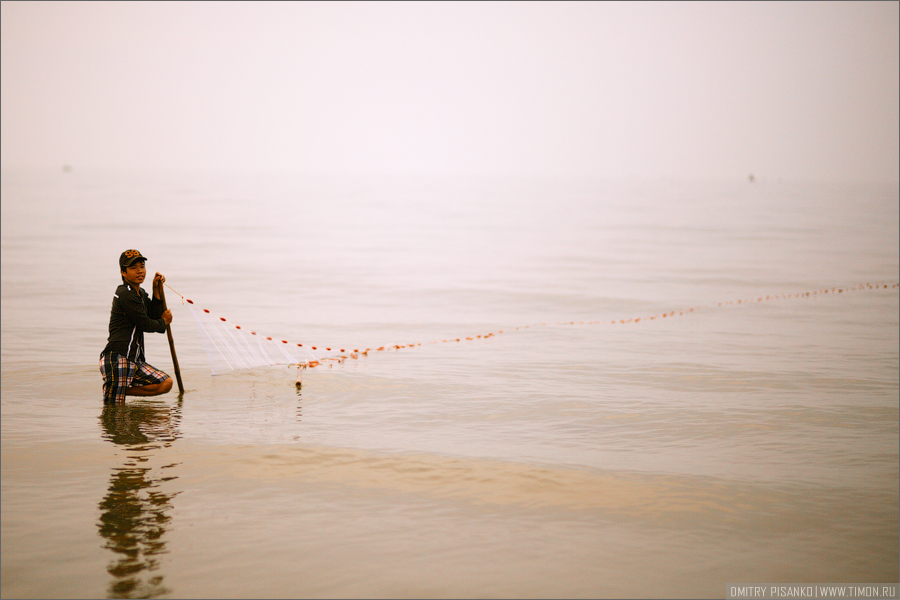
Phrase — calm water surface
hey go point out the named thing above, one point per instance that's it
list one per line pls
(571, 455)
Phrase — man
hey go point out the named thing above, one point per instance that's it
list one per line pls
(133, 312)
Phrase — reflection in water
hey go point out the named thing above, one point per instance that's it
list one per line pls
(133, 514)
(299, 404)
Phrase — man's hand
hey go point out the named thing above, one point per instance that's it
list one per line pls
(158, 280)
(167, 316)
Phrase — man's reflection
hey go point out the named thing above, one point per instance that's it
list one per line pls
(133, 514)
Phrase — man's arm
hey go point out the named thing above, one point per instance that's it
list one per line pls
(166, 315)
(134, 308)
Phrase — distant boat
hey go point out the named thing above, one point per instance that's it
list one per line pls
(752, 178)
(67, 168)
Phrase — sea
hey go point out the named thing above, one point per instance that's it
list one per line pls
(645, 388)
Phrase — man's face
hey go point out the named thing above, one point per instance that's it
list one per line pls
(135, 274)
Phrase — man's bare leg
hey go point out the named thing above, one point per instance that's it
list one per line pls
(154, 389)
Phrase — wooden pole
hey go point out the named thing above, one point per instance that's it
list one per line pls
(162, 296)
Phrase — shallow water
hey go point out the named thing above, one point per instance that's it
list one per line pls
(573, 454)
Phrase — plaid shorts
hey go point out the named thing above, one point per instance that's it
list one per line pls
(119, 374)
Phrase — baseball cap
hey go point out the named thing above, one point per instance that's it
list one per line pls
(129, 257)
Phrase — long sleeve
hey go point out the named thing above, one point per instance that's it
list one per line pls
(137, 313)
(155, 311)
(129, 319)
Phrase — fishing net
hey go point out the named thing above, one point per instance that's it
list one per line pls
(231, 347)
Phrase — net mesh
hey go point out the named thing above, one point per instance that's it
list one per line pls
(231, 347)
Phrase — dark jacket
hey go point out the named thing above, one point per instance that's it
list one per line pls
(131, 315)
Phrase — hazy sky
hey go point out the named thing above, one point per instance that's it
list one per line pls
(784, 90)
